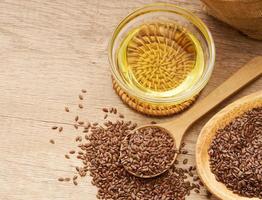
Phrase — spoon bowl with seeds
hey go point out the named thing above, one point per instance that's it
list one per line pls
(150, 150)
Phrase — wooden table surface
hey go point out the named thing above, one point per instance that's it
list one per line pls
(52, 49)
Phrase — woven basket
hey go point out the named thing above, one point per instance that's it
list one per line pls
(148, 108)
(244, 15)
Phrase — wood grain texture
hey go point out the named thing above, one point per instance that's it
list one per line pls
(49, 51)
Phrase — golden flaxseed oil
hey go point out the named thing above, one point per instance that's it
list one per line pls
(160, 58)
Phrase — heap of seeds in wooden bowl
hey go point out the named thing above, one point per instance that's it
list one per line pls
(148, 151)
(236, 154)
(98, 148)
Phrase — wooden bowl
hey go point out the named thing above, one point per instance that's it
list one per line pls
(220, 120)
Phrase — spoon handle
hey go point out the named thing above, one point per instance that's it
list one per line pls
(242, 77)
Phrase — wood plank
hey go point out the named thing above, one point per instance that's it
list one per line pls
(52, 49)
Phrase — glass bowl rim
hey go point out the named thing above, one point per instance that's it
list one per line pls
(167, 7)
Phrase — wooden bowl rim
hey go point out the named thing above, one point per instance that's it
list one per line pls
(207, 133)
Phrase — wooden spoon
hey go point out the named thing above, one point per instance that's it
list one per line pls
(177, 128)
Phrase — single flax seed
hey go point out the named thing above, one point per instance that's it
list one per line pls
(81, 122)
(72, 151)
(75, 183)
(76, 126)
(78, 139)
(121, 116)
(105, 110)
(80, 97)
(67, 179)
(76, 118)
(61, 179)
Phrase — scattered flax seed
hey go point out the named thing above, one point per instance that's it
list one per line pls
(61, 179)
(88, 125)
(67, 179)
(66, 109)
(81, 122)
(195, 178)
(200, 183)
(99, 155)
(193, 185)
(67, 156)
(75, 183)
(106, 115)
(76, 126)
(78, 139)
(80, 106)
(52, 141)
(72, 152)
(190, 174)
(83, 91)
(80, 97)
(184, 152)
(121, 116)
(196, 191)
(76, 118)
(208, 194)
(101, 159)
(105, 110)
(60, 129)
(133, 126)
(185, 161)
(197, 186)
(54, 127)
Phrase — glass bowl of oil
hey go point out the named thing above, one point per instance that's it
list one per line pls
(161, 57)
